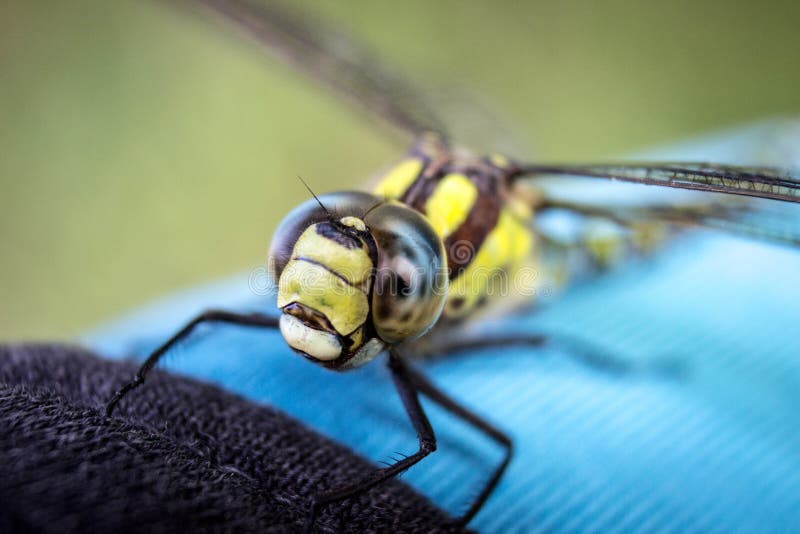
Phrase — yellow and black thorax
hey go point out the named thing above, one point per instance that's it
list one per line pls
(484, 224)
(356, 272)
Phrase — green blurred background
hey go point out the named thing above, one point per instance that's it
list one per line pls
(143, 149)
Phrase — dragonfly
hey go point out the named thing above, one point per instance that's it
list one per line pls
(397, 270)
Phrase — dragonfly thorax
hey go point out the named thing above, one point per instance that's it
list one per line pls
(356, 273)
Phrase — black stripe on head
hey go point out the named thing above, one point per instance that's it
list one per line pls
(334, 233)
(328, 269)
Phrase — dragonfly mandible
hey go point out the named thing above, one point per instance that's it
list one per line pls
(394, 270)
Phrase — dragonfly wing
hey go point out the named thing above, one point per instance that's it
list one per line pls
(761, 182)
(334, 60)
(757, 218)
(761, 219)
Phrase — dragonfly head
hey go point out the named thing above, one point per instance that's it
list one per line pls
(355, 274)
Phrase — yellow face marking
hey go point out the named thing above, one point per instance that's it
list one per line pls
(312, 285)
(354, 265)
(316, 343)
(354, 222)
(398, 180)
(507, 248)
(450, 203)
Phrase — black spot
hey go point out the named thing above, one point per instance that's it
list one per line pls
(337, 235)
(457, 303)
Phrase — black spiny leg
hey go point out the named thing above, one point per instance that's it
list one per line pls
(406, 388)
(220, 316)
(582, 352)
(427, 388)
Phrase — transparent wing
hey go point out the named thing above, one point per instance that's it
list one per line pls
(771, 183)
(758, 218)
(333, 60)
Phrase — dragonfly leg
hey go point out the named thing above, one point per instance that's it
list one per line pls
(585, 353)
(406, 388)
(430, 390)
(210, 316)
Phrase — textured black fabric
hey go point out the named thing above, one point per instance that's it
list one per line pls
(178, 455)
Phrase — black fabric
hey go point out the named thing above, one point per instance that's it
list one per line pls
(177, 455)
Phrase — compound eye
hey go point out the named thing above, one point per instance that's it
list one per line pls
(411, 278)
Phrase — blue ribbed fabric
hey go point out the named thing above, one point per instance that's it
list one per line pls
(715, 451)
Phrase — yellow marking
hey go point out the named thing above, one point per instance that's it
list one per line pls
(647, 236)
(354, 265)
(345, 306)
(505, 250)
(499, 160)
(604, 244)
(521, 206)
(606, 252)
(354, 222)
(357, 338)
(450, 203)
(398, 180)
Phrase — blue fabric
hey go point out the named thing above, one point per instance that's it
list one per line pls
(715, 451)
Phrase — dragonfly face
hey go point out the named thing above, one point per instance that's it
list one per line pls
(356, 273)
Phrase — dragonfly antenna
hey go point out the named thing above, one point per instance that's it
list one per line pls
(321, 205)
